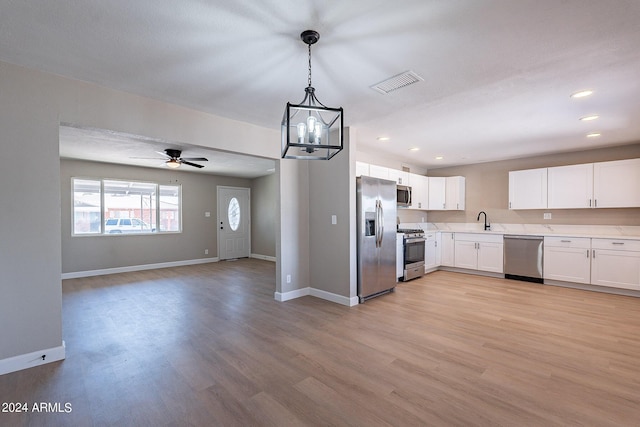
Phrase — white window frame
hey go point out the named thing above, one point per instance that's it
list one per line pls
(158, 211)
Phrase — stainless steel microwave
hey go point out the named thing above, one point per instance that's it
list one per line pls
(404, 195)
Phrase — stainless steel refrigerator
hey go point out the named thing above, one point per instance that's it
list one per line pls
(376, 208)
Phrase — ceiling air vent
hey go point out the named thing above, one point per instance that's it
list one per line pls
(396, 82)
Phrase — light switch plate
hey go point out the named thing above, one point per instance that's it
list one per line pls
(334, 219)
(547, 215)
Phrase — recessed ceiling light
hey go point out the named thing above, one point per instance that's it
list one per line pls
(414, 149)
(588, 118)
(382, 138)
(593, 135)
(439, 157)
(582, 93)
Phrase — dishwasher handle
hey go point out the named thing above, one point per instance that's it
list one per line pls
(515, 236)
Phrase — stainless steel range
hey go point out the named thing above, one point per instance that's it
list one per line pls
(413, 252)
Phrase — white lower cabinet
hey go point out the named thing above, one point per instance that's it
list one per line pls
(483, 252)
(447, 249)
(399, 255)
(567, 259)
(430, 251)
(615, 263)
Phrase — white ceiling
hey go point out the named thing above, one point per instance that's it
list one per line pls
(497, 73)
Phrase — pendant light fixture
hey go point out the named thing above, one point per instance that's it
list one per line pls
(310, 130)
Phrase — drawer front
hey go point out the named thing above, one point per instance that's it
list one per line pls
(567, 242)
(478, 237)
(616, 244)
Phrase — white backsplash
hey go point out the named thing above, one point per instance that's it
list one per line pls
(543, 229)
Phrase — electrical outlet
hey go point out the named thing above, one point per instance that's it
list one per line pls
(206, 251)
(207, 214)
(547, 215)
(288, 278)
(334, 219)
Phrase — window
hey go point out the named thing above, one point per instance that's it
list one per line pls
(124, 207)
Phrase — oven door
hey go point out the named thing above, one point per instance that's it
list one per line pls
(414, 250)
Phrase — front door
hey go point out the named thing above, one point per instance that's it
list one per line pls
(234, 223)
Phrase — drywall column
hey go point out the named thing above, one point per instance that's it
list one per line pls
(30, 284)
(332, 195)
(292, 241)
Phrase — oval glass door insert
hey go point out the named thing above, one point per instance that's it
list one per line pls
(233, 212)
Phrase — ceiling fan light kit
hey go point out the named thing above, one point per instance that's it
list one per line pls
(174, 160)
(311, 130)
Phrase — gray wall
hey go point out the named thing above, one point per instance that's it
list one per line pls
(487, 188)
(83, 253)
(292, 246)
(32, 105)
(30, 291)
(332, 192)
(264, 197)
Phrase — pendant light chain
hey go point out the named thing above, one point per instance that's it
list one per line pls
(309, 80)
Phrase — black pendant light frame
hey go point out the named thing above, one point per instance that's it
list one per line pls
(316, 143)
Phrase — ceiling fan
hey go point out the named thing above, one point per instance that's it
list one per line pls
(173, 160)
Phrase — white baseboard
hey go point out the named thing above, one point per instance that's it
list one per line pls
(286, 296)
(329, 296)
(29, 360)
(128, 269)
(318, 293)
(264, 257)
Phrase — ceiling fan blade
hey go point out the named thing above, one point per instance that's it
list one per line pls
(162, 153)
(191, 164)
(146, 158)
(194, 159)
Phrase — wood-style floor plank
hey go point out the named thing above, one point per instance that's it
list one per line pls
(208, 345)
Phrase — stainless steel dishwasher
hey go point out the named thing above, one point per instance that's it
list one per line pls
(523, 258)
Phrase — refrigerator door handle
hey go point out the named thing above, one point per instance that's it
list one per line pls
(377, 223)
(381, 224)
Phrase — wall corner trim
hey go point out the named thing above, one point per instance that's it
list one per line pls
(30, 360)
(318, 293)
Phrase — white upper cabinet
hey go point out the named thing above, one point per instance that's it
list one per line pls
(570, 187)
(419, 191)
(528, 189)
(362, 169)
(437, 193)
(616, 184)
(378, 171)
(400, 177)
(454, 193)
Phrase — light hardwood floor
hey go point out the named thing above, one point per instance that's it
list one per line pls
(208, 345)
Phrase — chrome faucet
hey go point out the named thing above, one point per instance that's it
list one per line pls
(486, 226)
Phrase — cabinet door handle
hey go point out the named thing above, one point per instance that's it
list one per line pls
(565, 241)
(589, 202)
(595, 203)
(457, 206)
(587, 253)
(509, 205)
(617, 243)
(594, 254)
